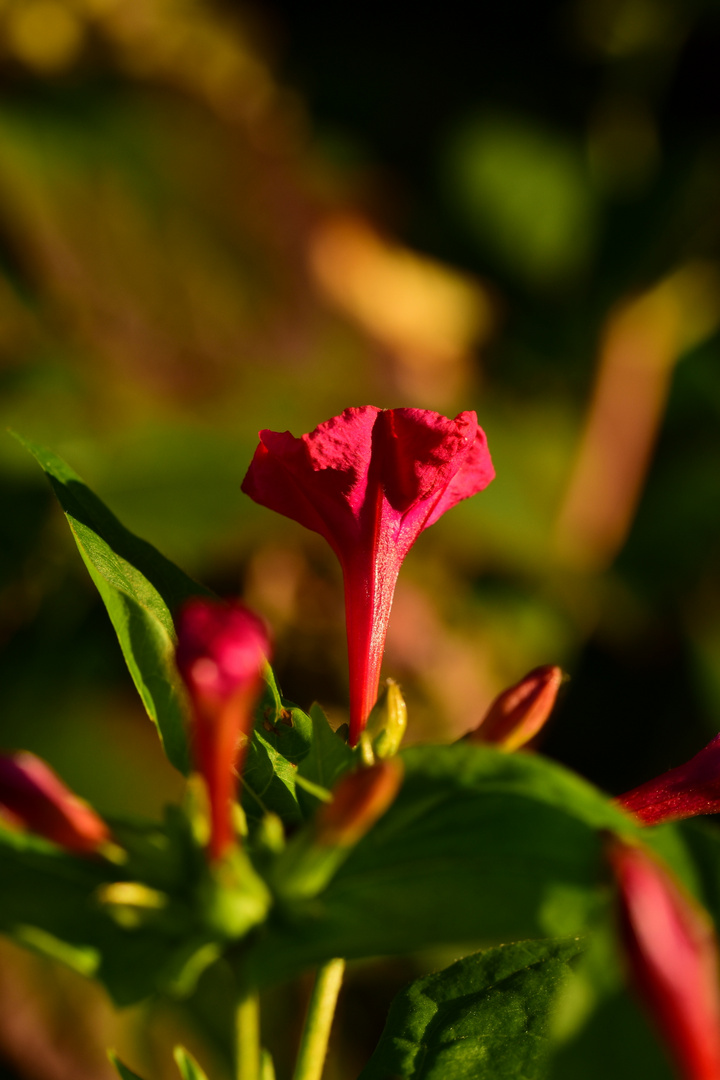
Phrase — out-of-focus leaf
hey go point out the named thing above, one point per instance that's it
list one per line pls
(478, 846)
(188, 1066)
(488, 1015)
(81, 910)
(122, 1070)
(597, 1028)
(692, 850)
(140, 588)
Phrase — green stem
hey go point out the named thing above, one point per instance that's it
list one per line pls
(321, 1009)
(247, 1030)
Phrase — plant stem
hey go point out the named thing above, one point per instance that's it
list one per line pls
(247, 1031)
(321, 1009)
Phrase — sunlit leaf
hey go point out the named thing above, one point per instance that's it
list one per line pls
(140, 589)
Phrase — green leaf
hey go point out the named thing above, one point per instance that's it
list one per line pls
(139, 588)
(692, 850)
(281, 738)
(479, 846)
(188, 1066)
(284, 726)
(81, 910)
(292, 759)
(123, 1072)
(268, 783)
(598, 1029)
(486, 1016)
(329, 756)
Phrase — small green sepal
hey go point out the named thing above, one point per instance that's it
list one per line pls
(233, 898)
(387, 722)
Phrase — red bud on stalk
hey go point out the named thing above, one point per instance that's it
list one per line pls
(359, 800)
(37, 799)
(672, 955)
(688, 790)
(521, 711)
(220, 655)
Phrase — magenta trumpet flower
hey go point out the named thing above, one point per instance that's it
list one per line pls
(38, 800)
(688, 790)
(672, 958)
(369, 481)
(220, 655)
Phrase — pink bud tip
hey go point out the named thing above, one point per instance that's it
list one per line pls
(521, 711)
(369, 481)
(672, 956)
(220, 655)
(359, 799)
(688, 790)
(38, 800)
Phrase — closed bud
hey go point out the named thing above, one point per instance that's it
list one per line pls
(313, 856)
(37, 799)
(387, 721)
(359, 799)
(520, 712)
(220, 655)
(688, 790)
(672, 958)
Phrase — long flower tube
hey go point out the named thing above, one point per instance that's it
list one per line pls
(688, 790)
(672, 958)
(369, 481)
(220, 655)
(37, 799)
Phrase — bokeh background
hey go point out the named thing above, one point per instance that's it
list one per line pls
(217, 217)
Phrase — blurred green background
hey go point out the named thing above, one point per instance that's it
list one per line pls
(219, 217)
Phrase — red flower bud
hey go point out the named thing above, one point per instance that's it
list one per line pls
(369, 481)
(220, 655)
(688, 790)
(519, 712)
(672, 955)
(359, 799)
(38, 800)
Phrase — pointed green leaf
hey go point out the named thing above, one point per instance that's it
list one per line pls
(188, 1066)
(292, 759)
(486, 1017)
(122, 1070)
(140, 589)
(328, 758)
(284, 726)
(268, 783)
